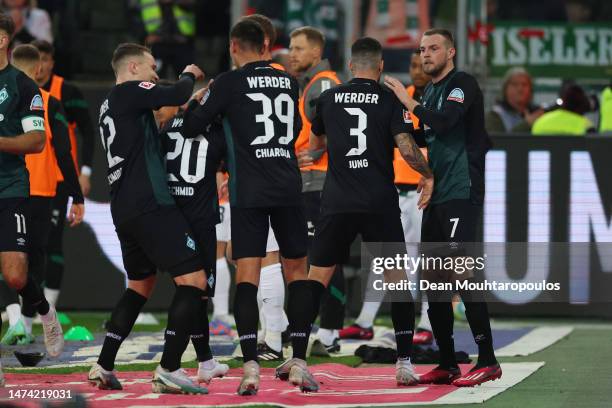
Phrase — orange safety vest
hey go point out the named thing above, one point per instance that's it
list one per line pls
(42, 166)
(303, 140)
(278, 66)
(56, 91)
(404, 174)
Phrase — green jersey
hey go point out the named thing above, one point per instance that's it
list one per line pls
(452, 111)
(21, 111)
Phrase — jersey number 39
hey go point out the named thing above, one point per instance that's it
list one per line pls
(264, 117)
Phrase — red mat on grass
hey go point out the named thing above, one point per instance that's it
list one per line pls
(340, 385)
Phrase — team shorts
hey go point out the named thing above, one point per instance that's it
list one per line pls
(334, 234)
(206, 239)
(224, 229)
(14, 215)
(455, 222)
(160, 239)
(312, 209)
(251, 228)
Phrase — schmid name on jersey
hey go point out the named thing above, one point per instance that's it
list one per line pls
(269, 82)
(180, 191)
(356, 97)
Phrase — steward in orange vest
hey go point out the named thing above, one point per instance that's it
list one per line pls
(55, 158)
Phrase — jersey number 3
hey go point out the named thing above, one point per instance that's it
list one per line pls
(286, 118)
(362, 124)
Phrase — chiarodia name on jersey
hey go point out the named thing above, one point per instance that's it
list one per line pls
(358, 164)
(272, 152)
(356, 97)
(115, 175)
(269, 82)
(182, 191)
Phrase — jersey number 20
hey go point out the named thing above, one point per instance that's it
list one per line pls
(183, 148)
(286, 118)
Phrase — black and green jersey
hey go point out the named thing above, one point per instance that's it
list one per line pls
(261, 119)
(21, 111)
(136, 168)
(452, 111)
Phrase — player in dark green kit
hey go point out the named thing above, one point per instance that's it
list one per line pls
(452, 112)
(22, 131)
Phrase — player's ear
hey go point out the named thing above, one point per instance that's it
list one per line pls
(132, 67)
(350, 65)
(381, 66)
(451, 53)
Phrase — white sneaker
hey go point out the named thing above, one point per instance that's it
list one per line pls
(250, 379)
(404, 373)
(54, 337)
(103, 379)
(300, 376)
(175, 382)
(205, 374)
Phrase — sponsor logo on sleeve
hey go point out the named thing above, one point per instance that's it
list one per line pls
(407, 117)
(205, 97)
(456, 95)
(146, 85)
(37, 103)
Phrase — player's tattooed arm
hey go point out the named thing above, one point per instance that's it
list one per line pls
(412, 154)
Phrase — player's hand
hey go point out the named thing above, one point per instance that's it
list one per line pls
(425, 187)
(400, 91)
(85, 183)
(305, 159)
(76, 214)
(193, 69)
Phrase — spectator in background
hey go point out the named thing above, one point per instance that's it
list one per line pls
(515, 111)
(605, 110)
(31, 23)
(168, 27)
(569, 119)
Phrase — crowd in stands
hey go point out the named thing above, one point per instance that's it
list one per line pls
(515, 112)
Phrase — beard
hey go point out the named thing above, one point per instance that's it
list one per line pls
(434, 70)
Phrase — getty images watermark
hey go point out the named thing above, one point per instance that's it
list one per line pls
(515, 272)
(459, 272)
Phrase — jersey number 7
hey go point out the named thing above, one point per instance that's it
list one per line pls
(286, 118)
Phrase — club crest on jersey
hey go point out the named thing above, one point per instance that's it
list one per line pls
(146, 85)
(3, 95)
(456, 95)
(407, 118)
(191, 243)
(37, 103)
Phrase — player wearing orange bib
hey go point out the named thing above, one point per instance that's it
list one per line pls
(77, 116)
